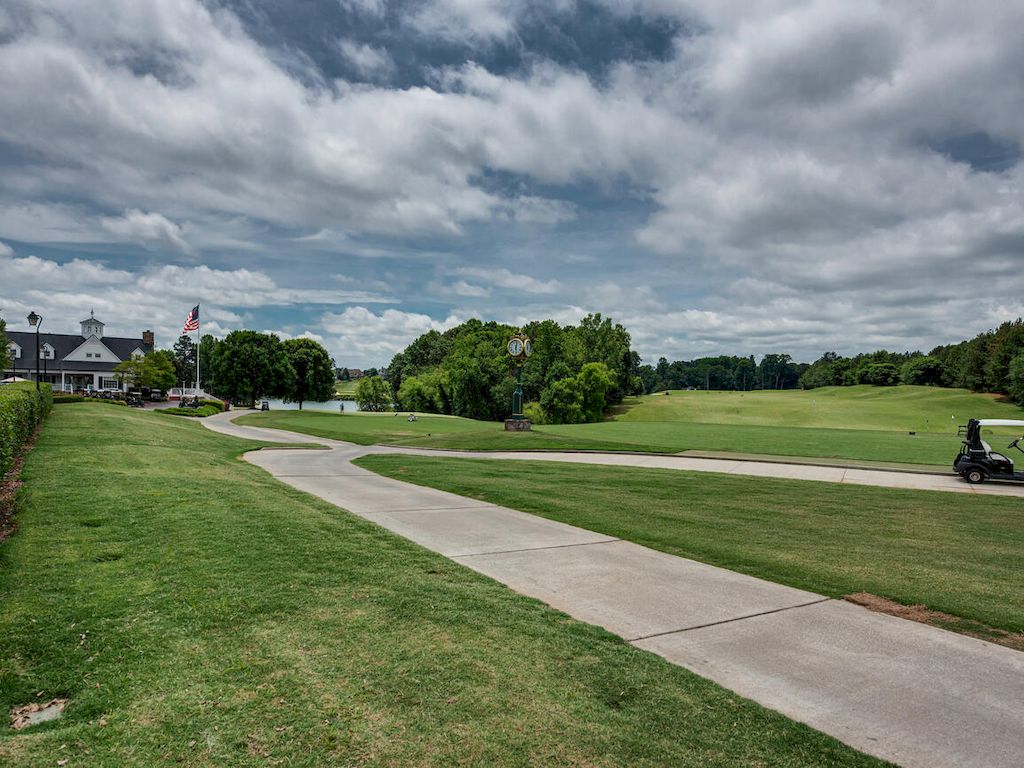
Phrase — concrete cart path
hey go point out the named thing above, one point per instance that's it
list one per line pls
(906, 692)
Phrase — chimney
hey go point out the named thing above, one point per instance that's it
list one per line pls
(148, 338)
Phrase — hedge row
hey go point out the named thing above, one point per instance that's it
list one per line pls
(68, 399)
(22, 408)
(201, 412)
(58, 399)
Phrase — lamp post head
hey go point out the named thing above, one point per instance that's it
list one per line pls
(34, 319)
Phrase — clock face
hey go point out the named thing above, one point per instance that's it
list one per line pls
(515, 347)
(527, 348)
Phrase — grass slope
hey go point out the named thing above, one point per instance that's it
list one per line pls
(952, 552)
(196, 611)
(902, 409)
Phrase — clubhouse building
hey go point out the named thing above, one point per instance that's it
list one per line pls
(74, 361)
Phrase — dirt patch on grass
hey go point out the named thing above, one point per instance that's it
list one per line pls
(9, 486)
(37, 712)
(925, 615)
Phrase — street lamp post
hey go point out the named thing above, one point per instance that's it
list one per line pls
(35, 321)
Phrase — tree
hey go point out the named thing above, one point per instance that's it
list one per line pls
(248, 365)
(185, 360)
(154, 370)
(1015, 380)
(421, 393)
(593, 382)
(313, 369)
(880, 374)
(922, 370)
(207, 347)
(373, 394)
(345, 375)
(5, 354)
(562, 402)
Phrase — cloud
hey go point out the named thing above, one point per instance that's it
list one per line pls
(510, 281)
(371, 62)
(359, 337)
(5, 249)
(150, 230)
(156, 297)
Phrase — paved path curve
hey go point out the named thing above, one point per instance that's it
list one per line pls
(906, 692)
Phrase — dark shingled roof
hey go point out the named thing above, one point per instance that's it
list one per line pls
(64, 344)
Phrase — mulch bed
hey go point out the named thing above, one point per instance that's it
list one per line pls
(9, 485)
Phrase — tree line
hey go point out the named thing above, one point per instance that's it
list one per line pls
(993, 361)
(574, 374)
(243, 367)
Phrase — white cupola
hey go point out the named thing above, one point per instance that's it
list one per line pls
(92, 327)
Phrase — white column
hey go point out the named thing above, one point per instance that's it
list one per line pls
(62, 380)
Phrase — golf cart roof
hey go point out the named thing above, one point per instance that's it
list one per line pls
(1000, 423)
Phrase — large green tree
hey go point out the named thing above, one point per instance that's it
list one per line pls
(248, 366)
(314, 372)
(5, 354)
(185, 360)
(154, 370)
(373, 394)
(207, 346)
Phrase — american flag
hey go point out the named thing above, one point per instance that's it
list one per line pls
(192, 321)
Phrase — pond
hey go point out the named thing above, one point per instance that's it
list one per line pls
(333, 406)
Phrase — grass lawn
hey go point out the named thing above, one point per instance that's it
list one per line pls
(661, 437)
(346, 388)
(900, 409)
(862, 424)
(952, 552)
(196, 611)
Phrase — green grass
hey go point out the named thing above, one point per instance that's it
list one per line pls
(868, 424)
(345, 388)
(901, 409)
(952, 552)
(659, 437)
(197, 611)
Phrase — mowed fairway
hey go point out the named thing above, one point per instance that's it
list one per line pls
(902, 409)
(195, 611)
(859, 424)
(955, 553)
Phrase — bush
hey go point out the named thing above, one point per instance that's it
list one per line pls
(200, 413)
(65, 398)
(22, 408)
(218, 404)
(534, 413)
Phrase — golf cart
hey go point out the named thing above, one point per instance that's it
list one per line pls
(977, 461)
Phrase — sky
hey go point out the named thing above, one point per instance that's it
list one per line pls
(721, 177)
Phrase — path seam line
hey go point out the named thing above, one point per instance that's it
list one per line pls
(535, 549)
(728, 621)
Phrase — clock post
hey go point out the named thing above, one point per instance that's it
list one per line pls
(519, 348)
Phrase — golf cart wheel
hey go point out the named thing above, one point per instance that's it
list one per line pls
(974, 476)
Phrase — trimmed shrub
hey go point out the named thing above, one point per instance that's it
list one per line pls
(22, 408)
(218, 404)
(65, 398)
(200, 413)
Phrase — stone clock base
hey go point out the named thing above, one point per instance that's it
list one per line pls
(517, 425)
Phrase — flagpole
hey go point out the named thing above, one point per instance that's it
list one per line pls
(198, 332)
